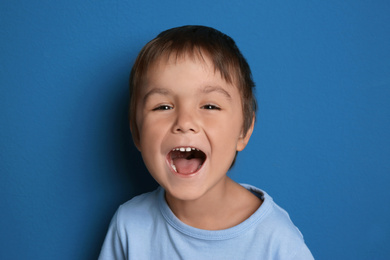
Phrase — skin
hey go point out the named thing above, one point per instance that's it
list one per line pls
(184, 102)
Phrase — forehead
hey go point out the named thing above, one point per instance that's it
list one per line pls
(166, 62)
(226, 71)
(180, 73)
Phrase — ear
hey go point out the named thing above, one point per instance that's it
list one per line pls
(135, 135)
(244, 138)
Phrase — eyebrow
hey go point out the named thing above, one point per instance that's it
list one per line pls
(206, 90)
(160, 91)
(218, 89)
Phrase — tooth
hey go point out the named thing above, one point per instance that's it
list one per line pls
(174, 167)
(182, 149)
(188, 149)
(193, 149)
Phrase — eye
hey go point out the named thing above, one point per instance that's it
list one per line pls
(211, 107)
(163, 107)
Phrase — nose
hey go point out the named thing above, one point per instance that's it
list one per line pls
(185, 122)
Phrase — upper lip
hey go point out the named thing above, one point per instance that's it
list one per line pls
(186, 148)
(184, 144)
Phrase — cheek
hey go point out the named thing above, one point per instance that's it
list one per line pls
(225, 131)
(151, 132)
(146, 133)
(150, 145)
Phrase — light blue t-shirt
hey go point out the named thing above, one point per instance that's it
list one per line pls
(146, 228)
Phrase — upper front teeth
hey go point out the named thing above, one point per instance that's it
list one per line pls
(185, 149)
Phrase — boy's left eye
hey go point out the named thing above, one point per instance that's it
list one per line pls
(211, 107)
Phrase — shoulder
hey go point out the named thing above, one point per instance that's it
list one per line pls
(283, 238)
(272, 215)
(132, 219)
(139, 210)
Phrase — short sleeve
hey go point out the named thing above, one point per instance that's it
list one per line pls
(303, 254)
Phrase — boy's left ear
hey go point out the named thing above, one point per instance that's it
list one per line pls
(244, 138)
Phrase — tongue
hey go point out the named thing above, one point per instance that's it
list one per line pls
(185, 166)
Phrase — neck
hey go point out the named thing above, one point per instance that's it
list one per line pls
(221, 208)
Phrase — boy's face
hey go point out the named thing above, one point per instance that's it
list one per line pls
(190, 122)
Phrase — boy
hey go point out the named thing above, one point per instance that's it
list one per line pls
(191, 110)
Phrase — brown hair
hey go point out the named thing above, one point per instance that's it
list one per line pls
(220, 48)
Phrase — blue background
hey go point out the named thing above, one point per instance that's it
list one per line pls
(321, 145)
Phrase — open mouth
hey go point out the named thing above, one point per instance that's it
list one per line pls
(186, 160)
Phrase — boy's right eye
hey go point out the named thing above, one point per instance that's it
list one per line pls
(162, 107)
